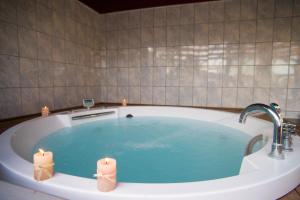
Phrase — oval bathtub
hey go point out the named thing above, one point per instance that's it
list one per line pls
(260, 176)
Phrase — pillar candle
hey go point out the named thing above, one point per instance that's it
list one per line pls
(106, 174)
(43, 165)
(124, 102)
(45, 111)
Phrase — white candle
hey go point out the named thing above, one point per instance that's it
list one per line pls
(124, 102)
(107, 174)
(45, 111)
(43, 165)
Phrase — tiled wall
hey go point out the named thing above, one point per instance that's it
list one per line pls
(47, 55)
(219, 54)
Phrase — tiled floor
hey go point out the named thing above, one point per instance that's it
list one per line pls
(16, 192)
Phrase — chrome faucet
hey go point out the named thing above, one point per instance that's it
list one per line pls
(276, 151)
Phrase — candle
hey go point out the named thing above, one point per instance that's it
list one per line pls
(106, 174)
(43, 165)
(124, 102)
(45, 111)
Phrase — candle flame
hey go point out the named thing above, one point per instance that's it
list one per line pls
(106, 160)
(42, 151)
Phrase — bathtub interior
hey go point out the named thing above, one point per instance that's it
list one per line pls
(30, 132)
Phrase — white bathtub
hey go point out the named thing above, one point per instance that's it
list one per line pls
(260, 176)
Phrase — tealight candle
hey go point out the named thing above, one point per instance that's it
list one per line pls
(124, 102)
(45, 111)
(106, 174)
(43, 165)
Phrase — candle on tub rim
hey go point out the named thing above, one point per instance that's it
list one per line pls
(106, 174)
(124, 102)
(43, 165)
(45, 111)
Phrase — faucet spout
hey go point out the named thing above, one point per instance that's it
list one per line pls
(276, 151)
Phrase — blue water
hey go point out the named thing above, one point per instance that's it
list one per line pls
(149, 149)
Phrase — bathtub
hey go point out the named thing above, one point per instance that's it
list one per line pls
(260, 176)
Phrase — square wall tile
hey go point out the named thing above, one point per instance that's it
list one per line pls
(232, 32)
(134, 19)
(187, 14)
(27, 43)
(229, 97)
(172, 95)
(160, 36)
(172, 76)
(214, 76)
(147, 37)
(246, 54)
(261, 95)
(9, 71)
(187, 35)
(244, 97)
(186, 76)
(146, 95)
(231, 54)
(160, 16)
(294, 76)
(216, 11)
(265, 9)
(201, 34)
(247, 31)
(200, 55)
(173, 15)
(200, 76)
(186, 96)
(147, 17)
(147, 56)
(232, 10)
(296, 29)
(173, 56)
(159, 76)
(186, 56)
(214, 97)
(134, 76)
(295, 53)
(230, 76)
(262, 78)
(135, 95)
(283, 8)
(264, 31)
(30, 101)
(8, 39)
(8, 11)
(146, 76)
(173, 35)
(282, 29)
(293, 100)
(201, 12)
(215, 54)
(248, 9)
(159, 95)
(134, 38)
(263, 54)
(28, 72)
(246, 76)
(216, 33)
(281, 53)
(280, 75)
(10, 103)
(199, 96)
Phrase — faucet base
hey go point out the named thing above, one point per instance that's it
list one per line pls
(276, 152)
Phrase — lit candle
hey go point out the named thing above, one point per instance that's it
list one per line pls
(106, 174)
(45, 111)
(124, 102)
(43, 165)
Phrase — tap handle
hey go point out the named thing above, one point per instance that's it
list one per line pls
(275, 107)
